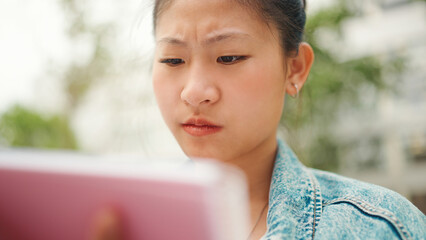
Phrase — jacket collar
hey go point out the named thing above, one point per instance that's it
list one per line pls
(294, 198)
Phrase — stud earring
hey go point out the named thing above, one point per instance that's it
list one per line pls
(297, 91)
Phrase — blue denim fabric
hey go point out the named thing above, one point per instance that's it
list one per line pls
(310, 204)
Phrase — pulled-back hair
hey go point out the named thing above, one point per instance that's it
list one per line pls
(288, 16)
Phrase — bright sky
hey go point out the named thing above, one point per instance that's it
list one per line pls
(32, 33)
(29, 32)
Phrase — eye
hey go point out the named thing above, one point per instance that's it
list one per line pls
(230, 59)
(172, 61)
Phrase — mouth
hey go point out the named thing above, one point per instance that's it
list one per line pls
(199, 127)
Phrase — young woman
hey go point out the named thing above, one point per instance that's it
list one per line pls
(221, 71)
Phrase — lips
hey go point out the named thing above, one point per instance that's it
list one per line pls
(199, 127)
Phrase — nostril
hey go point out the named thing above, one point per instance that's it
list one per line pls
(199, 93)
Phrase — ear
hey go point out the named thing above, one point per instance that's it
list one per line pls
(298, 68)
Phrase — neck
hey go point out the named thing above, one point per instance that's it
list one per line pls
(258, 166)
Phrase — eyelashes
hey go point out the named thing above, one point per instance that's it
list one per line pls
(230, 59)
(226, 60)
(172, 61)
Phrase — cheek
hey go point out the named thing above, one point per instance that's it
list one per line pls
(257, 97)
(263, 89)
(166, 94)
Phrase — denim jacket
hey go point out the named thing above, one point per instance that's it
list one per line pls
(311, 204)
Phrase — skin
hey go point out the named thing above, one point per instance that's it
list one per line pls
(107, 225)
(243, 93)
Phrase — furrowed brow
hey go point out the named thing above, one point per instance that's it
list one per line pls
(209, 41)
(225, 36)
(172, 41)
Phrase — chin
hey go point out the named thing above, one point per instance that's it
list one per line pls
(203, 152)
(199, 153)
(202, 147)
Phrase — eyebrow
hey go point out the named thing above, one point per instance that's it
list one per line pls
(171, 40)
(214, 38)
(225, 36)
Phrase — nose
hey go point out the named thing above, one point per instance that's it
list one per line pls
(200, 90)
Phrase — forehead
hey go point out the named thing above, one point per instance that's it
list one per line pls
(200, 18)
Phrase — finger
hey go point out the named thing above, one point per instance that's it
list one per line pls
(107, 225)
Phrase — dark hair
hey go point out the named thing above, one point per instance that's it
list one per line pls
(288, 16)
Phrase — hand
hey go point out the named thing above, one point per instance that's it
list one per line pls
(107, 226)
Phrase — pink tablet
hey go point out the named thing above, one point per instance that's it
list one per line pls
(55, 195)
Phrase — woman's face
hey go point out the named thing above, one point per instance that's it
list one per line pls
(219, 78)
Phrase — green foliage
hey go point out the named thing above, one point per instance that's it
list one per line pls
(22, 127)
(79, 77)
(331, 85)
(331, 17)
(26, 128)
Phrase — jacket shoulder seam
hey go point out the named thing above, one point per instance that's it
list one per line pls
(374, 211)
(317, 202)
